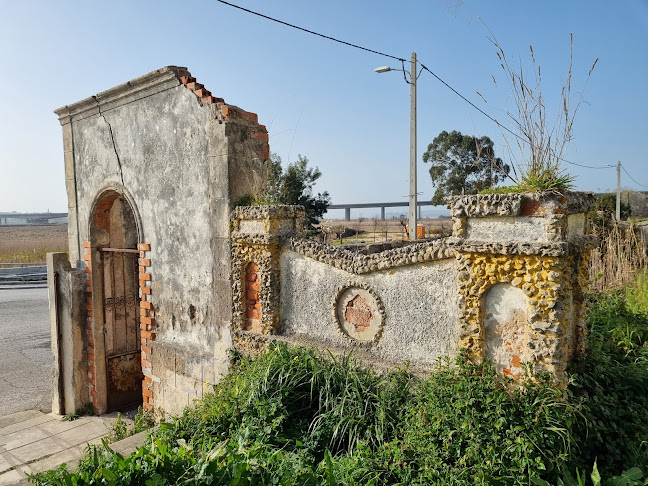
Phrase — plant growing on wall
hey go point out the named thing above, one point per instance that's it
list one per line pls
(540, 142)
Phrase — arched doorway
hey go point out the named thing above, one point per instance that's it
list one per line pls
(117, 345)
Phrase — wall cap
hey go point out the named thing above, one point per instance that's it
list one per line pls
(517, 204)
(140, 87)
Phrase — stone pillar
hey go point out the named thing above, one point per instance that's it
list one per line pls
(67, 324)
(522, 275)
(257, 235)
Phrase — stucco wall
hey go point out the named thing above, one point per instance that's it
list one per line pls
(178, 156)
(420, 321)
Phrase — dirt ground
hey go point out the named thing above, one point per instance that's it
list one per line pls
(26, 243)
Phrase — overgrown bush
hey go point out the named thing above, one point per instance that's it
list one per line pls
(293, 416)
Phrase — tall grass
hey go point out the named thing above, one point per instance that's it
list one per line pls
(296, 416)
(619, 256)
(541, 138)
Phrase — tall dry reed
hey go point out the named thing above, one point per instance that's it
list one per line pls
(619, 256)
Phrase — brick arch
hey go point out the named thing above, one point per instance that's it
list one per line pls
(253, 313)
(118, 302)
(101, 206)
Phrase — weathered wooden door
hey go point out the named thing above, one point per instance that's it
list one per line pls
(121, 327)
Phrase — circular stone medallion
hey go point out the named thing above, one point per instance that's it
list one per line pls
(359, 314)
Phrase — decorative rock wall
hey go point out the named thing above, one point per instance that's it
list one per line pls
(507, 286)
(531, 245)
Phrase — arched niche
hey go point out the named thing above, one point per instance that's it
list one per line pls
(506, 328)
(116, 343)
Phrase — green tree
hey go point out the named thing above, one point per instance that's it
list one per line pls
(294, 185)
(607, 203)
(462, 164)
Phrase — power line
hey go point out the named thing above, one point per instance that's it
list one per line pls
(497, 122)
(632, 178)
(471, 103)
(402, 60)
(586, 166)
(310, 31)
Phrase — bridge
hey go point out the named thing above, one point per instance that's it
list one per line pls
(31, 217)
(382, 205)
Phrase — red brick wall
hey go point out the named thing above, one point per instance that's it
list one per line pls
(147, 323)
(253, 304)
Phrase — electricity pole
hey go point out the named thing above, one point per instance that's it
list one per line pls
(618, 198)
(412, 185)
(412, 166)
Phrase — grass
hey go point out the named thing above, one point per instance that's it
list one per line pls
(296, 416)
(27, 256)
(619, 256)
(29, 244)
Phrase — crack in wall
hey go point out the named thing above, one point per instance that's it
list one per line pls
(112, 139)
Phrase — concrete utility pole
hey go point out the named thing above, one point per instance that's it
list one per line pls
(412, 185)
(618, 198)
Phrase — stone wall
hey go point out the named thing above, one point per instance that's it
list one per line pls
(507, 286)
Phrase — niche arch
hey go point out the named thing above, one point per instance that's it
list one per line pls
(114, 346)
(507, 333)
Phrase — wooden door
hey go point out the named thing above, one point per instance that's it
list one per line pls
(121, 328)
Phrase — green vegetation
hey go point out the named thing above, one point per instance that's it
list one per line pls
(293, 416)
(294, 185)
(142, 421)
(462, 164)
(88, 409)
(607, 203)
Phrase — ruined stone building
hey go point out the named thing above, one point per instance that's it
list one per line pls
(151, 168)
(165, 277)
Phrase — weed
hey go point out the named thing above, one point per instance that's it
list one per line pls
(119, 429)
(87, 409)
(70, 417)
(143, 420)
(540, 142)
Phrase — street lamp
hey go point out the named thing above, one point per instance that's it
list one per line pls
(412, 185)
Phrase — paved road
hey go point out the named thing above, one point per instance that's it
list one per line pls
(25, 356)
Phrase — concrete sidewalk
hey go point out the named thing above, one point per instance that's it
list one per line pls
(34, 441)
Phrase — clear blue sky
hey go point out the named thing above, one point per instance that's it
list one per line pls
(319, 98)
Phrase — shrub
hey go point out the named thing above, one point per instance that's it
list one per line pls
(295, 416)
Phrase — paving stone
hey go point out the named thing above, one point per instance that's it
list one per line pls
(11, 477)
(130, 444)
(84, 433)
(14, 418)
(69, 456)
(25, 424)
(7, 460)
(57, 426)
(38, 449)
(22, 437)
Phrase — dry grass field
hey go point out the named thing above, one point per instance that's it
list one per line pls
(26, 243)
(375, 230)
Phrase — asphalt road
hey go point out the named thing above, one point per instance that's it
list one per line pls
(25, 356)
